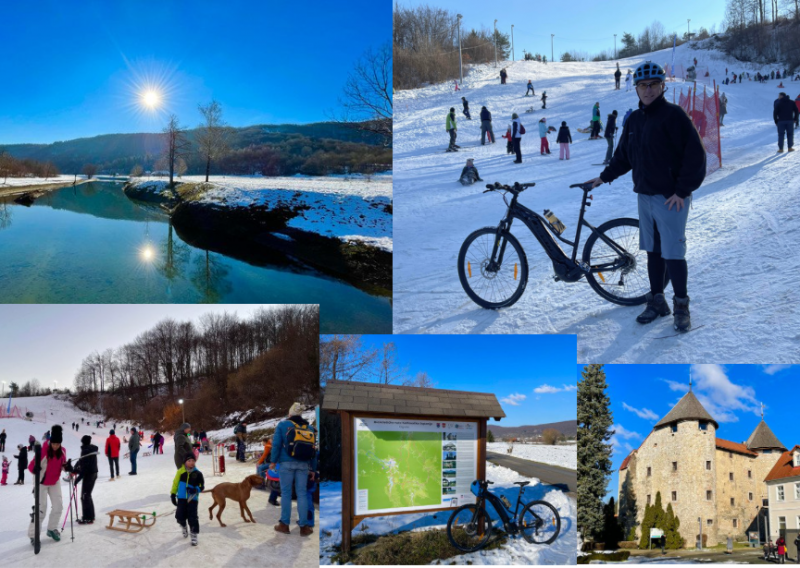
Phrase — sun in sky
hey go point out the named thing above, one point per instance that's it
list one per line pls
(151, 98)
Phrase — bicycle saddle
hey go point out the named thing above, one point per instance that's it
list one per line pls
(522, 483)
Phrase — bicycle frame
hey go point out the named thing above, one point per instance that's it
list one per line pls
(566, 267)
(500, 507)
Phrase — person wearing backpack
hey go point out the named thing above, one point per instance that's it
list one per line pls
(517, 130)
(293, 447)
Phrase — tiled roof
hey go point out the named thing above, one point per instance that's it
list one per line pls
(763, 438)
(353, 396)
(734, 447)
(625, 462)
(784, 466)
(688, 408)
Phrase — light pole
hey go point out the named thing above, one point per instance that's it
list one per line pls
(615, 46)
(687, 29)
(551, 47)
(460, 64)
(512, 42)
(183, 416)
(495, 43)
(4, 389)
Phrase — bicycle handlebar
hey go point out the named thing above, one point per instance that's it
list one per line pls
(516, 188)
(584, 186)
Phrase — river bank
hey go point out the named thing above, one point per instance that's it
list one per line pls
(20, 186)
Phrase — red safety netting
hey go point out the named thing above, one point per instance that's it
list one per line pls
(703, 109)
(23, 413)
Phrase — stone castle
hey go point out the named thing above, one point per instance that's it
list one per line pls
(704, 477)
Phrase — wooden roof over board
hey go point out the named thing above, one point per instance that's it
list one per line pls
(351, 396)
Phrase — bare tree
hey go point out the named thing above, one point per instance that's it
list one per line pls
(212, 135)
(136, 171)
(49, 169)
(367, 103)
(344, 358)
(389, 371)
(176, 145)
(422, 380)
(180, 167)
(89, 170)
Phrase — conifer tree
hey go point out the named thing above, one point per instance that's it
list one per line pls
(647, 524)
(612, 531)
(594, 451)
(672, 533)
(628, 507)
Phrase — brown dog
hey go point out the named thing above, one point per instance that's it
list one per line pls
(237, 492)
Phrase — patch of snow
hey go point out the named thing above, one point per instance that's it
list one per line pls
(564, 456)
(25, 181)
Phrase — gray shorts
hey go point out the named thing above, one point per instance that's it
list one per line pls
(671, 226)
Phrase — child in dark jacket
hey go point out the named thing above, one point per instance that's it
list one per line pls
(563, 140)
(22, 464)
(185, 495)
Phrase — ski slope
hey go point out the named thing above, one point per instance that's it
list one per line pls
(742, 233)
(238, 544)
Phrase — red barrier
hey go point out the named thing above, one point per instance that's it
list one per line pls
(703, 109)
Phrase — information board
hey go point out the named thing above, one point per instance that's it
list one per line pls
(406, 465)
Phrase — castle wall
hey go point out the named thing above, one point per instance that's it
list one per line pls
(744, 489)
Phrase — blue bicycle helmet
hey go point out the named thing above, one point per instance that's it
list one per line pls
(648, 70)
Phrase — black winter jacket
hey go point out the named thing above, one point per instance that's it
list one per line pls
(617, 74)
(22, 458)
(784, 109)
(611, 126)
(86, 466)
(466, 104)
(486, 115)
(664, 150)
(564, 135)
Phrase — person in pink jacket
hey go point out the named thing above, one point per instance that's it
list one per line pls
(54, 459)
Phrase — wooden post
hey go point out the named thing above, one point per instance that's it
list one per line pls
(347, 481)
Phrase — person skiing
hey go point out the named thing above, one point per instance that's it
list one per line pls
(22, 464)
(469, 174)
(595, 135)
(503, 76)
(785, 114)
(609, 134)
(628, 81)
(86, 469)
(544, 146)
(53, 461)
(185, 495)
(625, 118)
(509, 142)
(452, 128)
(564, 139)
(112, 452)
(3, 436)
(133, 449)
(182, 445)
(723, 108)
(486, 126)
(517, 130)
(660, 138)
(544, 99)
(617, 76)
(530, 89)
(465, 104)
(294, 449)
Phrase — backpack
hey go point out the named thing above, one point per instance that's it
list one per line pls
(521, 128)
(300, 440)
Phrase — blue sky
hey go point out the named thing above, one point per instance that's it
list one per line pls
(512, 367)
(73, 69)
(583, 25)
(643, 394)
(49, 341)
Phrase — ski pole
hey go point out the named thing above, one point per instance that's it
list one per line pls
(71, 527)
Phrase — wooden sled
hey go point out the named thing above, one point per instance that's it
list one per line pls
(134, 521)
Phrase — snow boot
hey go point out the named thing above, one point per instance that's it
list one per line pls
(680, 309)
(780, 150)
(305, 531)
(185, 531)
(54, 535)
(791, 149)
(282, 528)
(85, 521)
(275, 503)
(194, 539)
(656, 307)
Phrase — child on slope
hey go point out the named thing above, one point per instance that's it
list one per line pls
(185, 495)
(6, 465)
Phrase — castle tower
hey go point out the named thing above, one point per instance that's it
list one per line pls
(769, 449)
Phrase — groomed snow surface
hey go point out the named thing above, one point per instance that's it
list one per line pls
(516, 551)
(25, 181)
(351, 208)
(742, 231)
(563, 456)
(238, 544)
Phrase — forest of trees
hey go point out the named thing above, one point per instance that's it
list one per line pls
(14, 167)
(221, 364)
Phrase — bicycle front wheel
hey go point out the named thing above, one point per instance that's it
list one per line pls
(628, 284)
(540, 522)
(488, 284)
(469, 528)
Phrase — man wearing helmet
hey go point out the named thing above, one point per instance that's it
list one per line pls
(663, 149)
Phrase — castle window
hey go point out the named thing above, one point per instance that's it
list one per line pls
(674, 495)
(674, 466)
(730, 455)
(648, 499)
(797, 494)
(730, 476)
(749, 496)
(733, 503)
(704, 425)
(708, 465)
(709, 522)
(749, 474)
(735, 523)
(649, 472)
(708, 495)
(674, 427)
(766, 451)
(780, 493)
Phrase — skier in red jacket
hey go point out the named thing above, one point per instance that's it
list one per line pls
(112, 452)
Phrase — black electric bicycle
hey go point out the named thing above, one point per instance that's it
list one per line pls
(493, 268)
(470, 526)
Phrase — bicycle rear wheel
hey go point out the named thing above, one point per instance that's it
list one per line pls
(492, 287)
(540, 522)
(627, 285)
(464, 528)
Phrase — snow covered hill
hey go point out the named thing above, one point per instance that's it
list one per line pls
(564, 456)
(743, 229)
(238, 544)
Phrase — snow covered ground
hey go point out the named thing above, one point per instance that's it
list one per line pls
(26, 181)
(564, 456)
(743, 228)
(238, 544)
(516, 550)
(351, 208)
